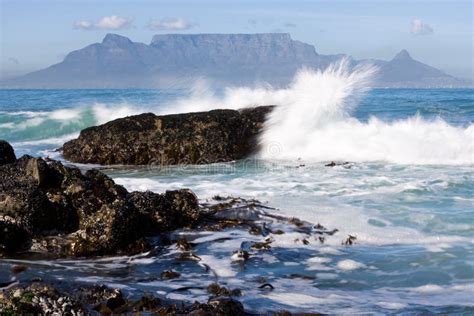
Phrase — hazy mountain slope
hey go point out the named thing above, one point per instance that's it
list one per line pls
(179, 59)
(403, 70)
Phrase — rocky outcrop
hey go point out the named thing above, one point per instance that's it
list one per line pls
(191, 138)
(40, 200)
(7, 155)
(40, 298)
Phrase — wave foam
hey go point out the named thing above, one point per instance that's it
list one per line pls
(314, 123)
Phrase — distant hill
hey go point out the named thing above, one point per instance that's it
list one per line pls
(179, 59)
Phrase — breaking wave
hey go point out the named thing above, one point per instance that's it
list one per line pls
(62, 123)
(312, 121)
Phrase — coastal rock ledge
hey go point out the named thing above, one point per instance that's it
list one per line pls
(47, 207)
(191, 138)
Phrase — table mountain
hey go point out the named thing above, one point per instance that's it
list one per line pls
(172, 60)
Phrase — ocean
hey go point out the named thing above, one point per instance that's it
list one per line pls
(406, 194)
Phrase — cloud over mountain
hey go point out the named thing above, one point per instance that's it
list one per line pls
(418, 27)
(170, 24)
(112, 22)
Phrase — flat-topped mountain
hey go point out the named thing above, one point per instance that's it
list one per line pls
(179, 59)
(232, 49)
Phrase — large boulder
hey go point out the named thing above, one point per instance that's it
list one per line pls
(191, 138)
(41, 199)
(7, 155)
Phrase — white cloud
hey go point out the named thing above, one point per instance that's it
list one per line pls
(170, 24)
(85, 25)
(418, 27)
(112, 22)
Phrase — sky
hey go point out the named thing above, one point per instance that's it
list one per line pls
(37, 33)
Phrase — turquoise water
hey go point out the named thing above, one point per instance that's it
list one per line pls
(413, 213)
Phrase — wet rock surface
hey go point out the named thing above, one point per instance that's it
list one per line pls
(191, 138)
(40, 298)
(47, 206)
(49, 209)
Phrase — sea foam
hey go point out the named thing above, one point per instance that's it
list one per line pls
(312, 121)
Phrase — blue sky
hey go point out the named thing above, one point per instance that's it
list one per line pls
(38, 33)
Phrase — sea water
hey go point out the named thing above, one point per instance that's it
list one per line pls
(407, 193)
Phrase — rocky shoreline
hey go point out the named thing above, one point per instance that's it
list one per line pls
(53, 210)
(40, 298)
(190, 138)
(48, 207)
(49, 210)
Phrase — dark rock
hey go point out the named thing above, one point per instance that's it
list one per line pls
(345, 164)
(217, 306)
(7, 155)
(111, 229)
(95, 215)
(168, 275)
(192, 138)
(39, 298)
(28, 195)
(18, 268)
(349, 241)
(217, 290)
(165, 212)
(184, 245)
(147, 303)
(116, 301)
(13, 237)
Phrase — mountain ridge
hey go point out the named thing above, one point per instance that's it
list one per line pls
(235, 59)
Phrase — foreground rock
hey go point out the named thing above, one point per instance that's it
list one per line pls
(7, 155)
(39, 298)
(192, 138)
(49, 207)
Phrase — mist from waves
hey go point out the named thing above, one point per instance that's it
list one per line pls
(314, 121)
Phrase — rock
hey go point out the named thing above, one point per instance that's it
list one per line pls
(30, 194)
(7, 154)
(165, 212)
(218, 306)
(18, 293)
(147, 303)
(40, 298)
(70, 213)
(191, 138)
(168, 275)
(18, 268)
(346, 164)
(184, 245)
(217, 290)
(13, 237)
(112, 229)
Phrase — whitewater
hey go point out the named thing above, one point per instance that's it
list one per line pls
(313, 121)
(406, 193)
